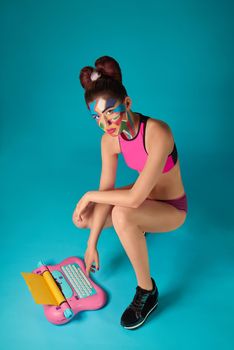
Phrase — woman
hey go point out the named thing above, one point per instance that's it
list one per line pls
(156, 202)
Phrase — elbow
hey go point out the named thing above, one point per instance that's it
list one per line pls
(135, 202)
(134, 205)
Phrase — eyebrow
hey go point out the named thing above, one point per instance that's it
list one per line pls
(107, 108)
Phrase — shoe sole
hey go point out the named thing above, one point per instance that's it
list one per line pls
(139, 324)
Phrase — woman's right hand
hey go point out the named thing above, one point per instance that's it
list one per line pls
(91, 255)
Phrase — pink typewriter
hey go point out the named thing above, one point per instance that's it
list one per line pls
(64, 289)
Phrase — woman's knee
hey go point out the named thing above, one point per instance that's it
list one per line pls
(121, 215)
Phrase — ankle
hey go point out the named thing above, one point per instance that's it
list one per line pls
(149, 286)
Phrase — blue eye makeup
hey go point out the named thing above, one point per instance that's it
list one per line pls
(92, 106)
(120, 108)
(110, 103)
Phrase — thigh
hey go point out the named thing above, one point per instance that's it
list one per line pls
(150, 216)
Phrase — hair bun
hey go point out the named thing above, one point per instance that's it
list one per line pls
(95, 75)
(109, 67)
(104, 78)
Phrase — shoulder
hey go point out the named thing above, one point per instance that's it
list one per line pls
(157, 125)
(159, 133)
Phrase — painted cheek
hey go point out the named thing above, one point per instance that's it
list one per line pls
(116, 117)
(101, 126)
(117, 120)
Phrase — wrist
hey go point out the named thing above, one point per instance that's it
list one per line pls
(91, 244)
(88, 196)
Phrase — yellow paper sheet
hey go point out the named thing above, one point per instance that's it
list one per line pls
(40, 289)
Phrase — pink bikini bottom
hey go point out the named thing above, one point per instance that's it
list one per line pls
(180, 203)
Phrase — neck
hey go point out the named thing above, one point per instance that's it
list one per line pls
(130, 125)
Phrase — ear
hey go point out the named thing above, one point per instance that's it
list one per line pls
(128, 102)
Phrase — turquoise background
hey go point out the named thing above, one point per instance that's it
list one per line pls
(177, 64)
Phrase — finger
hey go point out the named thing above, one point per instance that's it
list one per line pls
(76, 218)
(87, 269)
(97, 264)
(92, 268)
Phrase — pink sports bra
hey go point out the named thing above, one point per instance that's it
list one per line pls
(134, 151)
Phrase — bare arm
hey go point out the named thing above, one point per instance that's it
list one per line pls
(100, 213)
(107, 182)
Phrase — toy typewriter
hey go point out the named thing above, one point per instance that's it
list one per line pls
(64, 289)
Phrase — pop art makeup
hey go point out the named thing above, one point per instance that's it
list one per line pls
(112, 117)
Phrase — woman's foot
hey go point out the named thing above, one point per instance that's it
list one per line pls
(144, 302)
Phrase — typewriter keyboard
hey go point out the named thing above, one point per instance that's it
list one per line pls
(78, 280)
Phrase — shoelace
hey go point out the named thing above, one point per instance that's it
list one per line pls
(138, 301)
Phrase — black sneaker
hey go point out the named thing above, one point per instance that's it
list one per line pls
(144, 302)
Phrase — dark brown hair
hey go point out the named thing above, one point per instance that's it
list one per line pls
(109, 83)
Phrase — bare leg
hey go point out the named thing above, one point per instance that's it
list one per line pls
(133, 240)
